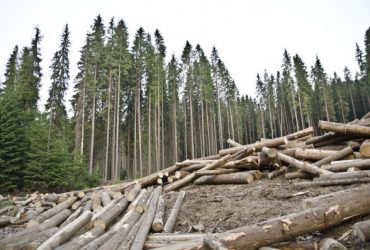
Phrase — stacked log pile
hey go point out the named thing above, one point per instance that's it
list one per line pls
(123, 216)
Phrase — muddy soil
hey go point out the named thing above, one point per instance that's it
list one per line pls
(218, 208)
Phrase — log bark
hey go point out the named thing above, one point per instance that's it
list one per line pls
(96, 202)
(365, 148)
(72, 217)
(51, 212)
(170, 223)
(82, 240)
(258, 145)
(158, 221)
(216, 171)
(235, 178)
(25, 241)
(105, 198)
(309, 168)
(127, 242)
(277, 172)
(362, 230)
(144, 229)
(67, 232)
(336, 156)
(343, 175)
(326, 183)
(108, 216)
(213, 242)
(342, 167)
(152, 179)
(289, 226)
(191, 177)
(133, 193)
(233, 143)
(345, 128)
(181, 174)
(313, 154)
(301, 133)
(331, 244)
(6, 209)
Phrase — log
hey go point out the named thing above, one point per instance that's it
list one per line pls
(258, 145)
(96, 202)
(193, 167)
(158, 221)
(170, 223)
(51, 212)
(191, 177)
(105, 198)
(233, 143)
(326, 183)
(133, 193)
(181, 174)
(277, 172)
(67, 232)
(345, 128)
(6, 209)
(213, 242)
(234, 178)
(79, 203)
(365, 148)
(144, 229)
(289, 226)
(362, 230)
(127, 242)
(336, 156)
(108, 216)
(309, 168)
(331, 244)
(165, 237)
(343, 175)
(51, 197)
(313, 154)
(216, 171)
(82, 240)
(52, 222)
(87, 206)
(152, 179)
(72, 217)
(301, 133)
(342, 167)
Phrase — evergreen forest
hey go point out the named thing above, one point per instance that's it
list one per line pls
(136, 109)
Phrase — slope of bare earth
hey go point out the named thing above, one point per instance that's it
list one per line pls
(217, 208)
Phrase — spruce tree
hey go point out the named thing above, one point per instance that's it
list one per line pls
(11, 70)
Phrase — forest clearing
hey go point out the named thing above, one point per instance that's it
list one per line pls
(294, 192)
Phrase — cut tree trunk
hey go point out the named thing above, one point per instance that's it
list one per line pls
(313, 154)
(170, 223)
(108, 216)
(277, 172)
(342, 167)
(336, 156)
(216, 171)
(133, 193)
(362, 230)
(365, 148)
(301, 133)
(326, 183)
(344, 175)
(105, 198)
(331, 244)
(235, 178)
(82, 240)
(158, 221)
(234, 143)
(289, 226)
(345, 128)
(67, 232)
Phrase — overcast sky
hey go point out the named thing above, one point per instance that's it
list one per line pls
(249, 35)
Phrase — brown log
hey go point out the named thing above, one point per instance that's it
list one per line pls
(344, 175)
(191, 177)
(362, 230)
(258, 145)
(108, 216)
(233, 143)
(234, 178)
(152, 179)
(313, 154)
(331, 244)
(289, 226)
(170, 223)
(365, 148)
(306, 167)
(158, 221)
(342, 167)
(144, 228)
(336, 156)
(82, 240)
(345, 128)
(51, 212)
(133, 193)
(193, 167)
(301, 133)
(326, 183)
(170, 179)
(181, 174)
(213, 242)
(216, 171)
(105, 198)
(277, 172)
(5, 221)
(67, 232)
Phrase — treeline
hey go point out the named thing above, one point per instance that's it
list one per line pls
(135, 113)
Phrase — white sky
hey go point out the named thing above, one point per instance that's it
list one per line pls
(249, 35)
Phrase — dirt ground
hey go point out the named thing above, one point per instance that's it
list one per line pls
(218, 208)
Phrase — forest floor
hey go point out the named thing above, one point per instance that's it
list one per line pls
(218, 208)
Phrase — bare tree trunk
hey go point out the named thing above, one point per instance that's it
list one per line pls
(270, 117)
(262, 123)
(158, 131)
(294, 107)
(149, 133)
(83, 118)
(325, 103)
(352, 104)
(208, 131)
(174, 128)
(162, 124)
(220, 136)
(300, 108)
(203, 132)
(113, 164)
(139, 124)
(185, 131)
(191, 126)
(92, 139)
(117, 147)
(108, 127)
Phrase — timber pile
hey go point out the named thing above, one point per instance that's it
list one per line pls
(131, 215)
